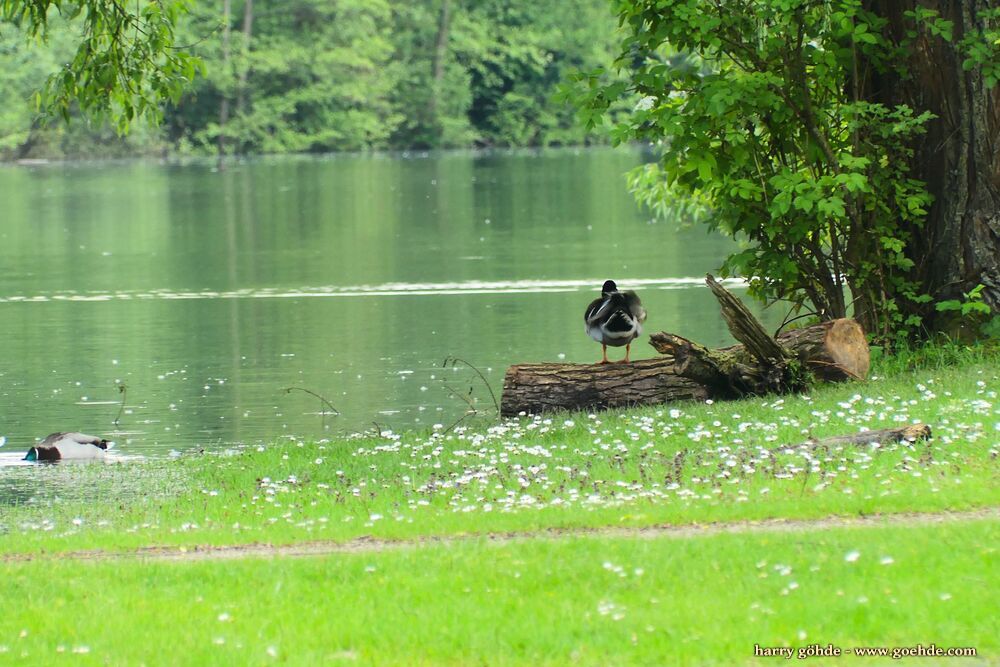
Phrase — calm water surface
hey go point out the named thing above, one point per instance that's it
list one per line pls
(208, 294)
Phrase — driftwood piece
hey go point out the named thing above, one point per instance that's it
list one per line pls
(537, 388)
(911, 432)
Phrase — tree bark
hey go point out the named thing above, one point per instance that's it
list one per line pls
(224, 90)
(744, 326)
(437, 64)
(538, 388)
(834, 350)
(241, 91)
(959, 157)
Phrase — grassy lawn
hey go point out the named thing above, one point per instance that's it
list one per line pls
(684, 463)
(581, 601)
(702, 599)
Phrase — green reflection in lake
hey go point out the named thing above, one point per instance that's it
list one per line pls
(208, 293)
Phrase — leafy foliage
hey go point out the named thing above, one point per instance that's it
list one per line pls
(318, 75)
(762, 118)
(124, 63)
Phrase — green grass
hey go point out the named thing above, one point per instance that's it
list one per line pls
(573, 600)
(683, 463)
(580, 601)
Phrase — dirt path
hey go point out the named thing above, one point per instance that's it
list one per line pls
(369, 545)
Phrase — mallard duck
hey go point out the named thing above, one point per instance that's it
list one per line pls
(68, 446)
(615, 319)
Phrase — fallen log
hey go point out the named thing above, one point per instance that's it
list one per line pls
(760, 364)
(537, 388)
(830, 351)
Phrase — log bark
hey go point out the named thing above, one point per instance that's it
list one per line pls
(744, 326)
(537, 388)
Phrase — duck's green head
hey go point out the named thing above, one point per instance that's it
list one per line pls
(609, 287)
(32, 455)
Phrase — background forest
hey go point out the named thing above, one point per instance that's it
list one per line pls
(285, 76)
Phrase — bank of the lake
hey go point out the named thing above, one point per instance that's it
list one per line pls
(894, 579)
(679, 464)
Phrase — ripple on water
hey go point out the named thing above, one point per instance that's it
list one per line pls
(385, 289)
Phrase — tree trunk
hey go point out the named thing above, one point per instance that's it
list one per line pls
(831, 351)
(834, 350)
(241, 90)
(959, 157)
(437, 65)
(224, 90)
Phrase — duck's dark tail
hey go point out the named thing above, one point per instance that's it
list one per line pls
(620, 322)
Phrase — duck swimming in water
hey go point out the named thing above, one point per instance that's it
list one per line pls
(615, 319)
(60, 446)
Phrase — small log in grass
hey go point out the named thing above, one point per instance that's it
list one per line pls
(911, 433)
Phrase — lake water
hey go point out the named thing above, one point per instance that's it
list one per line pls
(208, 294)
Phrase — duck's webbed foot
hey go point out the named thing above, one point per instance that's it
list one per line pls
(626, 359)
(604, 355)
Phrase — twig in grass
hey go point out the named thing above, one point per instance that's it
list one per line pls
(910, 433)
(453, 361)
(465, 399)
(322, 399)
(457, 422)
(471, 412)
(123, 390)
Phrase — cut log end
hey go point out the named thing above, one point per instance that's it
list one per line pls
(835, 350)
(848, 348)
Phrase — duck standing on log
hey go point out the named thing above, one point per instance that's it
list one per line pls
(615, 319)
